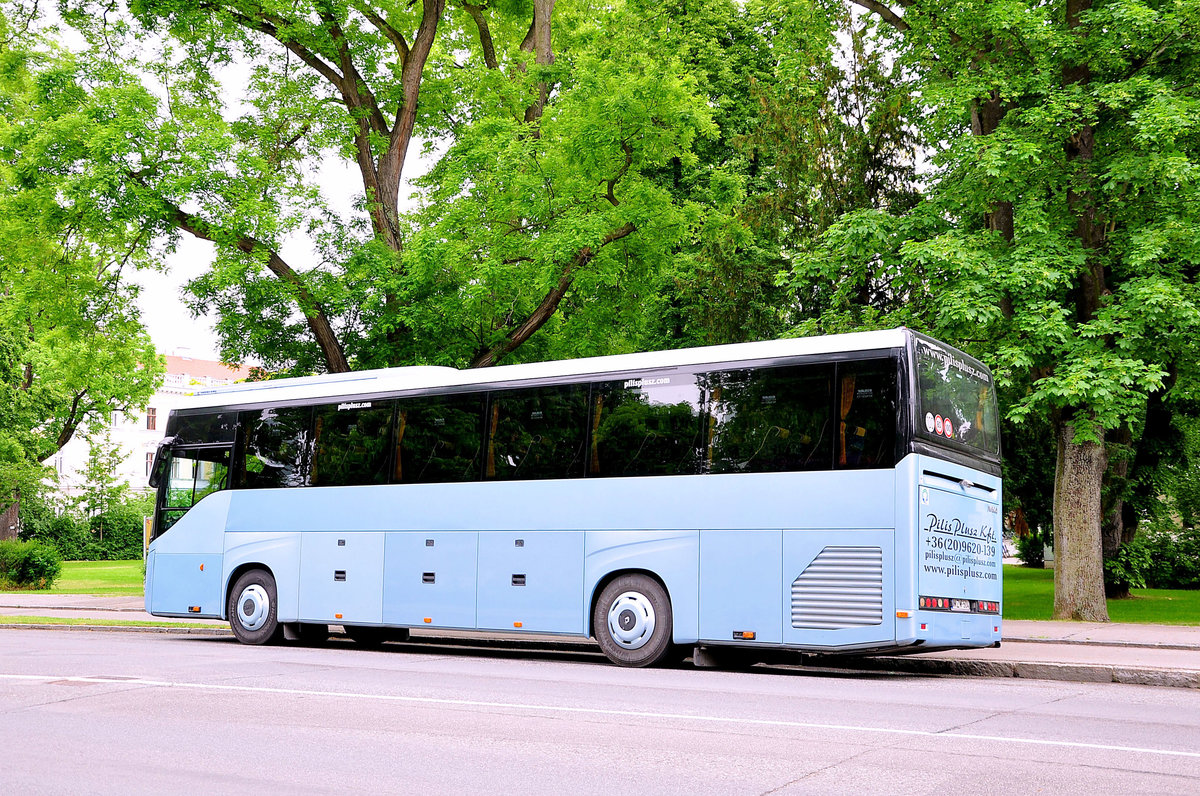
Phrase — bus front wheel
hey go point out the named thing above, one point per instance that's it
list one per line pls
(632, 621)
(253, 613)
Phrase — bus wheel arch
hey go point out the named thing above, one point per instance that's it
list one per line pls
(631, 618)
(252, 605)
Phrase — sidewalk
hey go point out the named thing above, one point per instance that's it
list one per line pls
(1166, 655)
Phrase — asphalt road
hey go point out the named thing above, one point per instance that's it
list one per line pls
(137, 713)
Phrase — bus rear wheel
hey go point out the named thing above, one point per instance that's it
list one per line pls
(253, 613)
(632, 621)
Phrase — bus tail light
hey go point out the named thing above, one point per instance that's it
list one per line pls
(958, 605)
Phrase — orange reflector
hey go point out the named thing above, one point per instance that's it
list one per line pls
(337, 616)
(518, 624)
(429, 620)
(902, 614)
(195, 609)
(201, 567)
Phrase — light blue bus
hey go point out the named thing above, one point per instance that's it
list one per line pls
(839, 494)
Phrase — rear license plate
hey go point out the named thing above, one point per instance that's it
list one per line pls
(960, 605)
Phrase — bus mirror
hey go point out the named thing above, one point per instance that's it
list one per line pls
(160, 459)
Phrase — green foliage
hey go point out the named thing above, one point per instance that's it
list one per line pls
(102, 488)
(115, 534)
(28, 565)
(1161, 557)
(1128, 568)
(1031, 549)
(72, 349)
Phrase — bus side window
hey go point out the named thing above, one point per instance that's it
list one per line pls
(351, 443)
(438, 439)
(277, 448)
(770, 420)
(537, 433)
(867, 414)
(646, 426)
(191, 475)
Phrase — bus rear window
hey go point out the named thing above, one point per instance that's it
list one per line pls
(956, 399)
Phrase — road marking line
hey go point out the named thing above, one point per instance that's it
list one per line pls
(639, 714)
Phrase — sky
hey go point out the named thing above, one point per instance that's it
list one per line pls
(162, 298)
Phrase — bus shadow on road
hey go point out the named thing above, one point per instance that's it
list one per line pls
(759, 662)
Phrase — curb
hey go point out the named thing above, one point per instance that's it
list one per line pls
(1087, 642)
(1026, 670)
(180, 630)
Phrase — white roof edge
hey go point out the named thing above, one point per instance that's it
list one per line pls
(417, 377)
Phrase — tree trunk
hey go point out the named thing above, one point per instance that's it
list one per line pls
(1078, 559)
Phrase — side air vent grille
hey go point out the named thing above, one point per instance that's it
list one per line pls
(841, 588)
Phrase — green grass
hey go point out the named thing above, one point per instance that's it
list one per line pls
(1029, 594)
(98, 577)
(65, 620)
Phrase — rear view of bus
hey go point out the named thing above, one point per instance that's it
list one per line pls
(955, 492)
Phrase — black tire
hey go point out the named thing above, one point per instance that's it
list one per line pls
(371, 636)
(253, 608)
(632, 621)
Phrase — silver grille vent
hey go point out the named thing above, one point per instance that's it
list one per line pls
(841, 588)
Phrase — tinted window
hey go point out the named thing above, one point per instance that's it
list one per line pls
(646, 426)
(201, 429)
(191, 475)
(352, 443)
(277, 449)
(867, 414)
(194, 475)
(537, 433)
(957, 398)
(438, 439)
(770, 420)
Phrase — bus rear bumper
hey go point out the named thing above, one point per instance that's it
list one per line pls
(950, 630)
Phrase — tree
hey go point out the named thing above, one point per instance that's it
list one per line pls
(518, 93)
(103, 489)
(1058, 239)
(72, 349)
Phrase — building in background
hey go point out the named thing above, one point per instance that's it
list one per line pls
(138, 436)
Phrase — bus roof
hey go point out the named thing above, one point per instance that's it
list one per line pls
(427, 377)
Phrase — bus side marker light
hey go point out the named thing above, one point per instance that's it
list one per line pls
(429, 620)
(201, 567)
(195, 609)
(924, 626)
(996, 629)
(518, 624)
(745, 635)
(337, 616)
(903, 614)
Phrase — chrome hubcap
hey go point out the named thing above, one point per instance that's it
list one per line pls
(253, 607)
(631, 620)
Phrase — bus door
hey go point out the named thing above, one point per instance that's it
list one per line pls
(185, 475)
